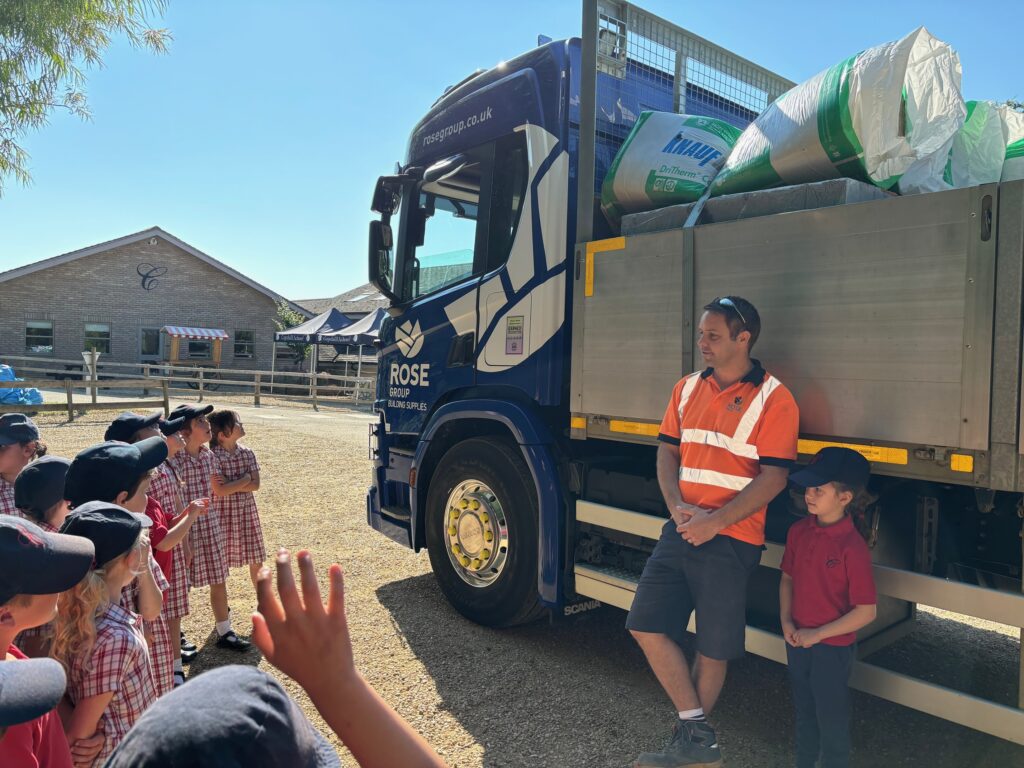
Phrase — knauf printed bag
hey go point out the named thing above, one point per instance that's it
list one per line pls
(978, 148)
(1013, 128)
(869, 118)
(666, 159)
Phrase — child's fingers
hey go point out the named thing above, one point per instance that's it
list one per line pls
(336, 595)
(262, 638)
(265, 600)
(286, 584)
(310, 586)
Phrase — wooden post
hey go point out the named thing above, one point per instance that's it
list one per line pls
(256, 393)
(67, 393)
(145, 375)
(315, 406)
(167, 399)
(200, 384)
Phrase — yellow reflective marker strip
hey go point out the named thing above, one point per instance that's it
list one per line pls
(876, 453)
(578, 422)
(634, 428)
(961, 462)
(599, 246)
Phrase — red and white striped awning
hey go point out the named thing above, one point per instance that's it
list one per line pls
(194, 333)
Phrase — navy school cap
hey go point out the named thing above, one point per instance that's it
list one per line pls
(180, 415)
(35, 562)
(101, 472)
(17, 428)
(834, 464)
(29, 688)
(40, 485)
(172, 426)
(235, 716)
(186, 412)
(113, 530)
(127, 424)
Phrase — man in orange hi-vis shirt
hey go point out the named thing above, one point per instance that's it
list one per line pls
(727, 441)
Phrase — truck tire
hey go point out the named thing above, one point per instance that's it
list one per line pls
(481, 524)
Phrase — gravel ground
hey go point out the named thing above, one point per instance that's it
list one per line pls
(569, 694)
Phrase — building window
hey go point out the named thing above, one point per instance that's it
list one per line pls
(39, 337)
(97, 337)
(199, 349)
(149, 343)
(245, 343)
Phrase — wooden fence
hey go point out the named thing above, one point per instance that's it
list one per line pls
(50, 373)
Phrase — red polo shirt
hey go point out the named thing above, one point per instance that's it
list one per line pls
(831, 570)
(39, 743)
(156, 534)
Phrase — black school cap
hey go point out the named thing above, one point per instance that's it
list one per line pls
(234, 717)
(17, 428)
(102, 471)
(29, 688)
(40, 485)
(127, 424)
(187, 412)
(113, 530)
(834, 465)
(181, 415)
(35, 562)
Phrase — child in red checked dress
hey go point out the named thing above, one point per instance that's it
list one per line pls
(240, 473)
(100, 643)
(19, 445)
(199, 471)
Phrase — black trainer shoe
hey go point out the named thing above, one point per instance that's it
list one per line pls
(187, 657)
(230, 640)
(693, 745)
(186, 645)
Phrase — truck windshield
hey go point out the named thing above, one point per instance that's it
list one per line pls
(447, 217)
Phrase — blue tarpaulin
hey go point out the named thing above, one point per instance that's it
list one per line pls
(18, 396)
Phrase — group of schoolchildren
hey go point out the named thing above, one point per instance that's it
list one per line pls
(97, 557)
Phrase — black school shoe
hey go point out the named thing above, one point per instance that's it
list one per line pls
(693, 745)
(230, 640)
(186, 645)
(187, 657)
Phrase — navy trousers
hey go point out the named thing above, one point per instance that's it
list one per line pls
(819, 677)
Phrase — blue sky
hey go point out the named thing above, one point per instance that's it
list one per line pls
(259, 137)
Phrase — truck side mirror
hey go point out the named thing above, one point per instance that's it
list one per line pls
(386, 195)
(380, 270)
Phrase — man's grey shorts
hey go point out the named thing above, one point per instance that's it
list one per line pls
(711, 579)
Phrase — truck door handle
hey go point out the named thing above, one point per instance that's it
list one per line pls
(461, 351)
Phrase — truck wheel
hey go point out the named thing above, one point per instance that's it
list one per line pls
(481, 518)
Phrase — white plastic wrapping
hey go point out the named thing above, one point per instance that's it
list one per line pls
(870, 118)
(978, 148)
(666, 159)
(1013, 127)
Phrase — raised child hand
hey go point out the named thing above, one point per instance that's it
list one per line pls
(198, 506)
(302, 637)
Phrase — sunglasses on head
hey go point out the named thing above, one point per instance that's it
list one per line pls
(725, 301)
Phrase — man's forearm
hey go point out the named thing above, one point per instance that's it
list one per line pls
(668, 476)
(761, 490)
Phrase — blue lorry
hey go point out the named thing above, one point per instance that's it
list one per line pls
(530, 350)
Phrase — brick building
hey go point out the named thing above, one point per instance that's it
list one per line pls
(116, 296)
